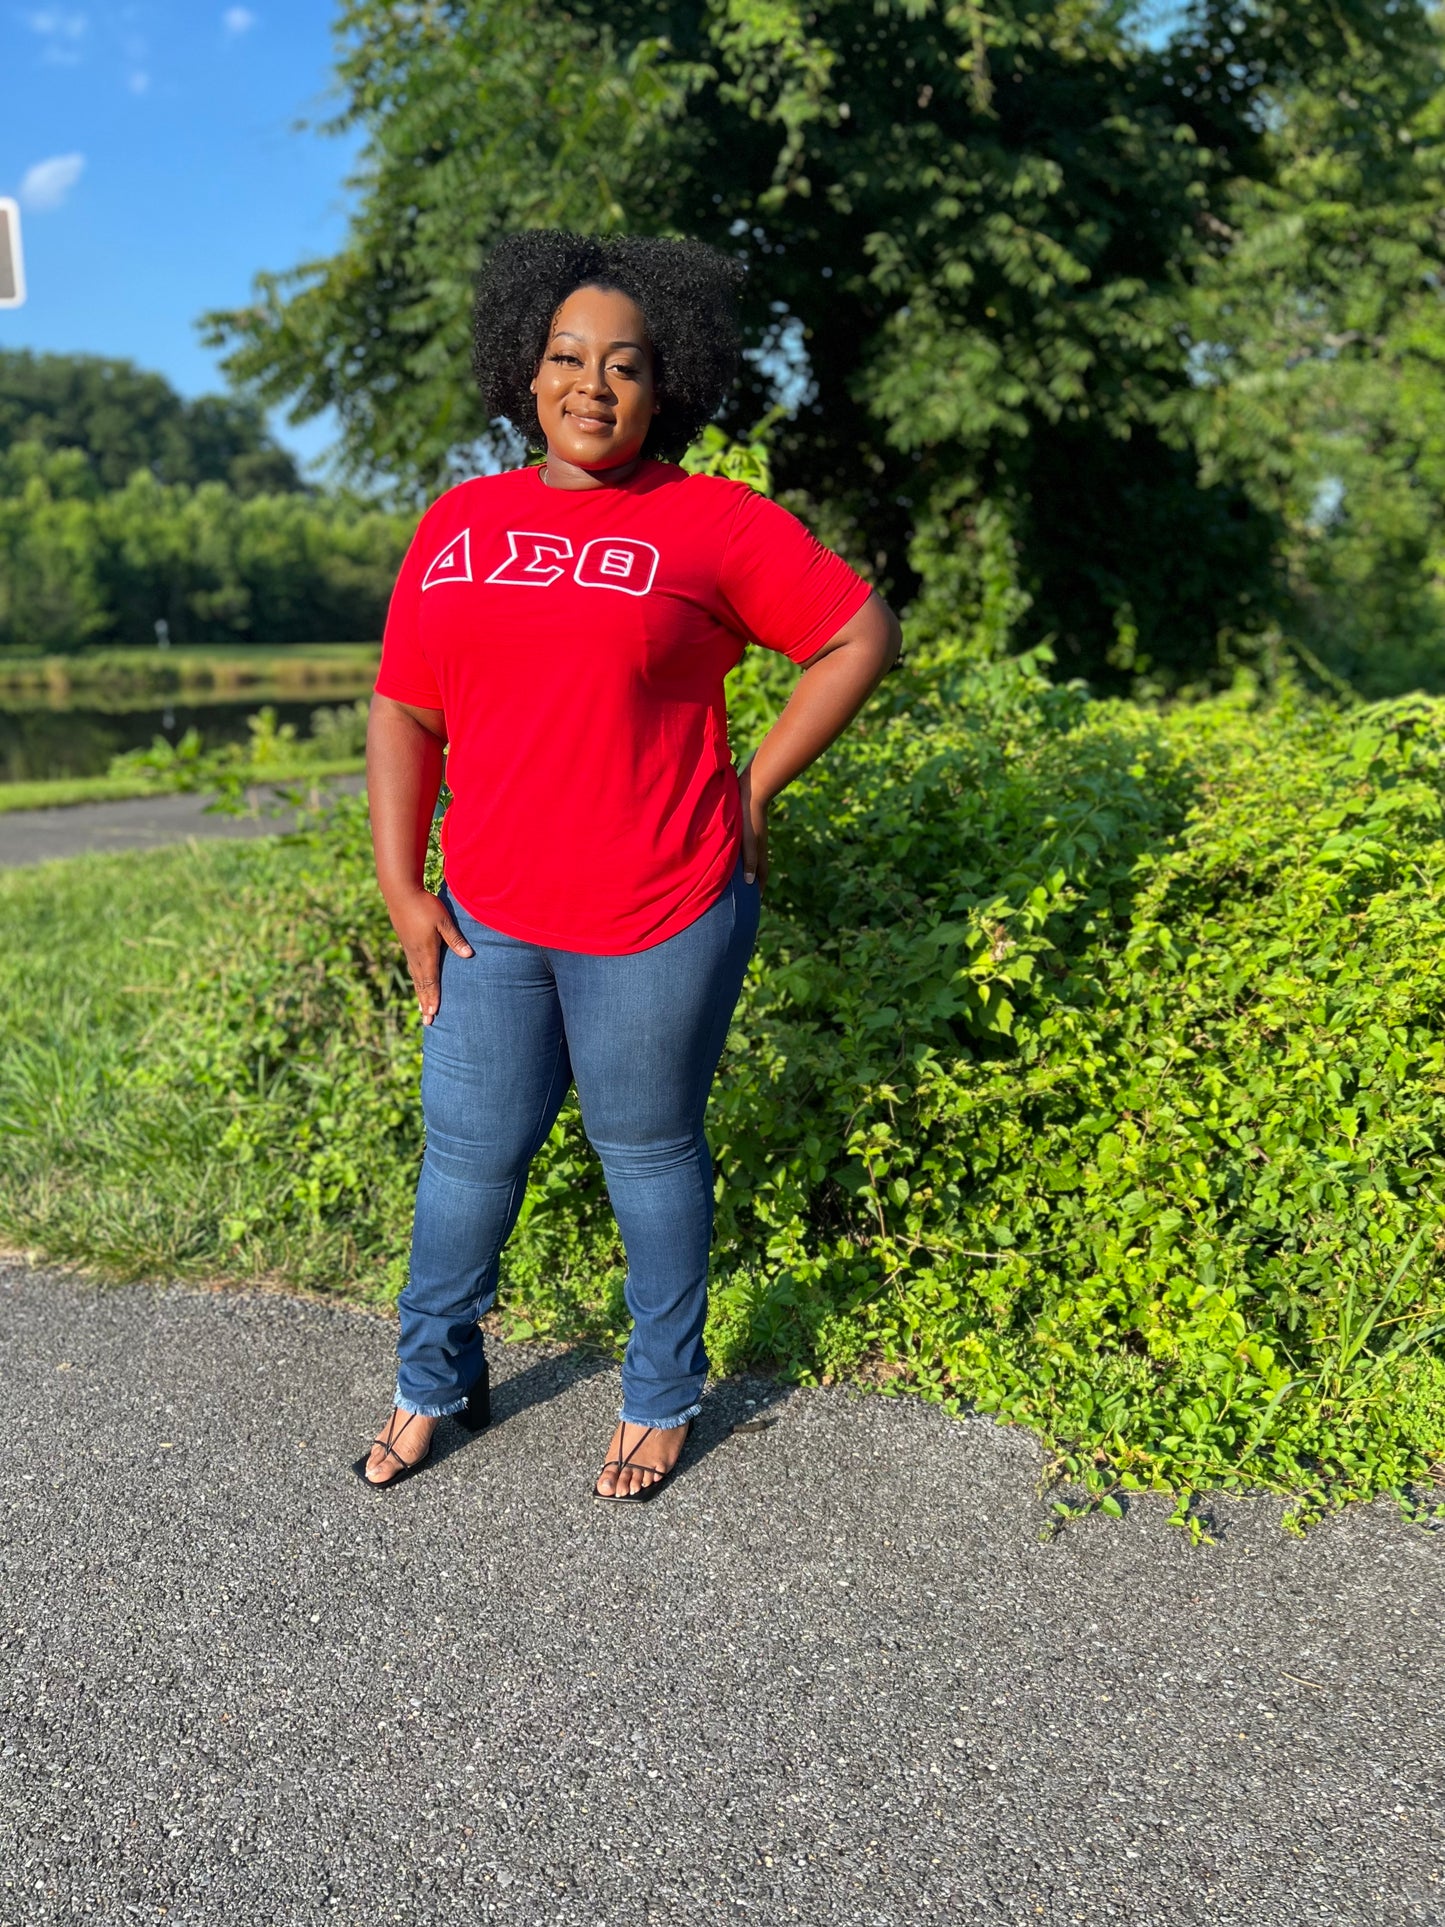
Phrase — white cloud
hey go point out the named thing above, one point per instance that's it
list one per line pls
(238, 20)
(46, 185)
(60, 32)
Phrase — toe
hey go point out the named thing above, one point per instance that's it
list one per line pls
(400, 1443)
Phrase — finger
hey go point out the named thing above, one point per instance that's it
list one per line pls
(750, 855)
(428, 987)
(452, 937)
(759, 865)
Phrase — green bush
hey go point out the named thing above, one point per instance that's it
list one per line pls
(1090, 1071)
(270, 752)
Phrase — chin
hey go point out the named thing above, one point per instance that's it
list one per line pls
(599, 458)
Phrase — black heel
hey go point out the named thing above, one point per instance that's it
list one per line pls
(476, 1414)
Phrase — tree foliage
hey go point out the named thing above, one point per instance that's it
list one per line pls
(80, 564)
(122, 418)
(1319, 333)
(971, 228)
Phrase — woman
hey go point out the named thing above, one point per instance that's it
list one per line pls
(565, 632)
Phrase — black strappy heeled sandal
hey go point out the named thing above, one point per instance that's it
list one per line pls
(388, 1446)
(475, 1416)
(660, 1478)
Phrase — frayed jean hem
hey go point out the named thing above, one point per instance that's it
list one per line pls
(659, 1424)
(430, 1411)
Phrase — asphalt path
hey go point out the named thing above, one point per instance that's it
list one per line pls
(138, 823)
(831, 1675)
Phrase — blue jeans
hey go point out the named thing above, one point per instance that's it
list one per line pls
(642, 1036)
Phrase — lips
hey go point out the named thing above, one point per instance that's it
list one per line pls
(589, 421)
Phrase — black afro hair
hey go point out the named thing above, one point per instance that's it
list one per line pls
(686, 290)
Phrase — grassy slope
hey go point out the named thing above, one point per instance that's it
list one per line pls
(109, 789)
(90, 951)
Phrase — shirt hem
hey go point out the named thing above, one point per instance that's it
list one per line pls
(527, 933)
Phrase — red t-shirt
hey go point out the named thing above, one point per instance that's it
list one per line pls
(576, 641)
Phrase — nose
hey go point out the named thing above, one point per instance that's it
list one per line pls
(594, 380)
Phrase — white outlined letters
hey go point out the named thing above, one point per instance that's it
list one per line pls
(617, 562)
(537, 560)
(534, 561)
(454, 564)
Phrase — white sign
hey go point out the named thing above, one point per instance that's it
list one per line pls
(12, 268)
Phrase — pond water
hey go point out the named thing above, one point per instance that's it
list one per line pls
(36, 744)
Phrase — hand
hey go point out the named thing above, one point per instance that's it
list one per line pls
(755, 830)
(423, 924)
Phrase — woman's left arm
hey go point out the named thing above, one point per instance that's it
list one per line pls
(836, 682)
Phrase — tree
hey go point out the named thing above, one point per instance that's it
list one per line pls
(80, 564)
(125, 419)
(51, 595)
(971, 229)
(1319, 335)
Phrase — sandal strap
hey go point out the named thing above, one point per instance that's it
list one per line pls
(388, 1444)
(626, 1464)
(647, 1430)
(623, 1465)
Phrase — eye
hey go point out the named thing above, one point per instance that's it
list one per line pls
(561, 355)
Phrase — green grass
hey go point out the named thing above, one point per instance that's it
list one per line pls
(107, 789)
(70, 789)
(103, 1158)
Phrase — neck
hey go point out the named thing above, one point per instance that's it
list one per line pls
(557, 473)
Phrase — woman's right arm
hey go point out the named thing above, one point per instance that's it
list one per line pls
(404, 758)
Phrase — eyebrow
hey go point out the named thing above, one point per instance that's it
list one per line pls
(566, 334)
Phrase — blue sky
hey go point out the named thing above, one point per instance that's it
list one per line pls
(154, 151)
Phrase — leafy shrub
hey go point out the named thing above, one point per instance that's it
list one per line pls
(1090, 1070)
(272, 750)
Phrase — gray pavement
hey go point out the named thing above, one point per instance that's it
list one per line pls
(138, 823)
(830, 1675)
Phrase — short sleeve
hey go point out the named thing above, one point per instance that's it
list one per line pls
(779, 586)
(405, 674)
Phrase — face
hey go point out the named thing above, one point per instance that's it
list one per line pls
(594, 385)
